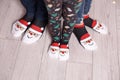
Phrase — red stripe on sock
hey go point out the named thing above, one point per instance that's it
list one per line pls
(94, 23)
(79, 26)
(86, 16)
(37, 28)
(85, 36)
(63, 46)
(23, 22)
(55, 44)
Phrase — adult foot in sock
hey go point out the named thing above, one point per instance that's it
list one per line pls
(32, 34)
(54, 50)
(64, 52)
(19, 27)
(84, 37)
(95, 25)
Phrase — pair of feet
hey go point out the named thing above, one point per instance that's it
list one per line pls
(31, 34)
(85, 39)
(59, 51)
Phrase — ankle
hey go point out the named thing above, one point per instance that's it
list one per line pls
(37, 28)
(55, 44)
(84, 36)
(65, 46)
(81, 25)
(24, 22)
(86, 16)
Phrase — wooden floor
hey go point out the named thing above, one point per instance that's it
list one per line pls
(19, 61)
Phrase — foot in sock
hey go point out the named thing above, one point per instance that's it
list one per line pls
(87, 42)
(32, 34)
(19, 27)
(64, 52)
(95, 25)
(84, 37)
(54, 50)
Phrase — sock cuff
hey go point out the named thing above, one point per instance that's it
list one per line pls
(94, 23)
(24, 22)
(86, 16)
(55, 44)
(37, 28)
(79, 26)
(63, 46)
(85, 36)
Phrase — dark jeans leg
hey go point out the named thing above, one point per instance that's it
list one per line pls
(87, 6)
(80, 13)
(84, 9)
(41, 16)
(30, 6)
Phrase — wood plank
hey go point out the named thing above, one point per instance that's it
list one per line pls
(118, 31)
(118, 13)
(8, 55)
(78, 53)
(10, 12)
(29, 61)
(105, 61)
(51, 69)
(79, 71)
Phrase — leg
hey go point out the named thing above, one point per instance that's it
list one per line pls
(95, 25)
(41, 16)
(54, 13)
(30, 6)
(80, 31)
(87, 6)
(20, 26)
(80, 13)
(38, 24)
(70, 8)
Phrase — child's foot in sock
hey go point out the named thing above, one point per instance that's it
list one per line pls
(87, 42)
(84, 38)
(95, 25)
(32, 34)
(19, 27)
(54, 50)
(64, 53)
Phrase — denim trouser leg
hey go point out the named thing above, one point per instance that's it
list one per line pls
(36, 9)
(87, 6)
(84, 9)
(30, 7)
(80, 13)
(41, 16)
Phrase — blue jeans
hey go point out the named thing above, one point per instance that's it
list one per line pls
(84, 9)
(36, 9)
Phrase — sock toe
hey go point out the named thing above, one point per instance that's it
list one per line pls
(19, 28)
(54, 50)
(32, 35)
(64, 53)
(88, 43)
